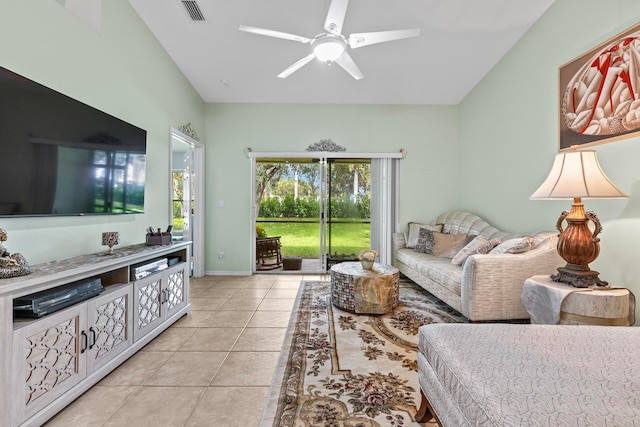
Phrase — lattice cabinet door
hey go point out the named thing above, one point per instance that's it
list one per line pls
(147, 305)
(48, 358)
(175, 296)
(110, 325)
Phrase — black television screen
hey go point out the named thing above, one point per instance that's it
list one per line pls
(62, 157)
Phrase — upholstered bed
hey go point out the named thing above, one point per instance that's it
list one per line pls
(529, 375)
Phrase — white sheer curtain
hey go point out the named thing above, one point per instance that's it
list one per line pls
(385, 174)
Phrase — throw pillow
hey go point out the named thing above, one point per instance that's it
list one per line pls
(447, 245)
(486, 248)
(470, 249)
(544, 239)
(513, 246)
(426, 241)
(414, 231)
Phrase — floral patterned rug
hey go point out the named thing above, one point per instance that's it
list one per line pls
(342, 369)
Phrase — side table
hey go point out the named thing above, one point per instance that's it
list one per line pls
(357, 290)
(549, 302)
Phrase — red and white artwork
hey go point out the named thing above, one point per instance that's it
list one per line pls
(600, 93)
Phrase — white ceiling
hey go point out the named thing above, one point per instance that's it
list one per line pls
(460, 41)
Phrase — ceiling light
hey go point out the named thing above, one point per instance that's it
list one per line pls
(329, 48)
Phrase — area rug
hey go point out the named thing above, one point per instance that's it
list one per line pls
(342, 369)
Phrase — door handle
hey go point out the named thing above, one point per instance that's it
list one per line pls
(93, 337)
(83, 343)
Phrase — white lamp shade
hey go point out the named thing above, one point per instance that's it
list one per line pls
(577, 174)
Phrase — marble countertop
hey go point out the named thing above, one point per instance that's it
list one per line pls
(71, 266)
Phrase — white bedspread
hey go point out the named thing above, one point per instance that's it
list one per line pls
(532, 375)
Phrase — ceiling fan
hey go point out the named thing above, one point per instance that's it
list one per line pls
(331, 46)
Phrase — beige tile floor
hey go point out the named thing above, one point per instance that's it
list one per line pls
(213, 367)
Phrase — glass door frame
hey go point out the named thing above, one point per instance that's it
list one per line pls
(331, 221)
(303, 159)
(197, 225)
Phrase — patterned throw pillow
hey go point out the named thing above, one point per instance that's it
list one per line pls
(479, 245)
(414, 231)
(470, 249)
(513, 246)
(486, 248)
(426, 241)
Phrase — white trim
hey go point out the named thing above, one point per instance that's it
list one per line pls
(253, 216)
(199, 205)
(323, 154)
(324, 203)
(228, 273)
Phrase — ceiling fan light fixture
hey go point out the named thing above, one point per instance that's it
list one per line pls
(329, 48)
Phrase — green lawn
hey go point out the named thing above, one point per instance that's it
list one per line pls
(303, 238)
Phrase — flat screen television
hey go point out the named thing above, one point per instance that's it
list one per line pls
(59, 156)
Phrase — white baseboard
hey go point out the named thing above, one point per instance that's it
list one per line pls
(228, 273)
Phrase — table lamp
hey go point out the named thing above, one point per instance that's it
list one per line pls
(577, 175)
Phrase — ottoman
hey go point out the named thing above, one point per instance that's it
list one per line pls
(361, 291)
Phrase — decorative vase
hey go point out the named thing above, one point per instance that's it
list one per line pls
(366, 265)
(110, 238)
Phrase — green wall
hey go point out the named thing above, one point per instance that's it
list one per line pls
(486, 155)
(122, 71)
(509, 136)
(427, 181)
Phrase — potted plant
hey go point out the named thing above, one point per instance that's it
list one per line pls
(367, 257)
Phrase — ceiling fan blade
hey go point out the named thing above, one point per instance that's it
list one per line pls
(365, 39)
(349, 66)
(271, 33)
(295, 67)
(335, 16)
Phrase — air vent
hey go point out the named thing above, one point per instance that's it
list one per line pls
(193, 10)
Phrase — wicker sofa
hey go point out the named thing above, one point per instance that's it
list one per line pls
(485, 286)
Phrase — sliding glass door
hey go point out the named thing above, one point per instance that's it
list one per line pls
(348, 213)
(289, 208)
(318, 209)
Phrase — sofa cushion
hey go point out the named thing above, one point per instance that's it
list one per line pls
(487, 247)
(414, 232)
(513, 246)
(479, 245)
(447, 245)
(426, 241)
(544, 239)
(438, 269)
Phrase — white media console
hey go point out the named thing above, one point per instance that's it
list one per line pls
(48, 362)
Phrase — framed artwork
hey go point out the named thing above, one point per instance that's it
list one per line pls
(600, 93)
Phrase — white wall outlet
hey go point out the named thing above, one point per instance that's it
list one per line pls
(220, 255)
